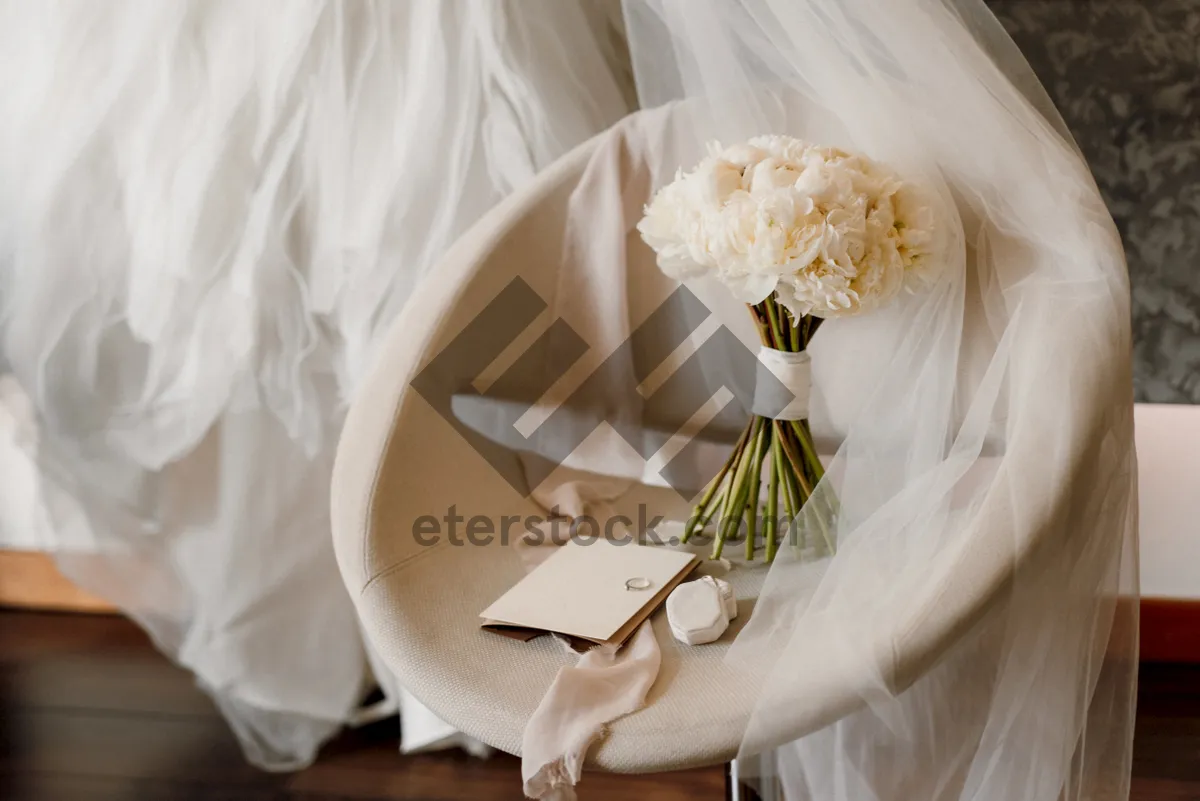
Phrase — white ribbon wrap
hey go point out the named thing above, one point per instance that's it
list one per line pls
(794, 372)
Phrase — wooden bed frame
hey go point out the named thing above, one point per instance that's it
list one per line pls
(29, 579)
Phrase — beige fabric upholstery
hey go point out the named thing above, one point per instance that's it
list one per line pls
(419, 605)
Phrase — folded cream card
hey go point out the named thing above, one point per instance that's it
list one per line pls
(597, 591)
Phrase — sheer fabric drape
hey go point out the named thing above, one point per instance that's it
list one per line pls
(209, 213)
(982, 489)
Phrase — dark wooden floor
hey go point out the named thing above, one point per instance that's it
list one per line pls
(89, 711)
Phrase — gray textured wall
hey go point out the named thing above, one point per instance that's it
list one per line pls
(1126, 76)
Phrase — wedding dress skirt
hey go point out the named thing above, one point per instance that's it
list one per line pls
(209, 212)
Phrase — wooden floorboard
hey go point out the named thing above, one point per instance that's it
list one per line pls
(1170, 630)
(89, 711)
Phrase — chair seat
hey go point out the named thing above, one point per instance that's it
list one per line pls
(488, 686)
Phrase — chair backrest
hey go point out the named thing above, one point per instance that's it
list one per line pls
(398, 461)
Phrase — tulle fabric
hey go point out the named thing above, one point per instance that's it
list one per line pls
(209, 212)
(982, 477)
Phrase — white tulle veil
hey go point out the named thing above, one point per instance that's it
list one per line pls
(974, 635)
(210, 212)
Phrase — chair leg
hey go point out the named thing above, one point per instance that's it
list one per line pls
(736, 789)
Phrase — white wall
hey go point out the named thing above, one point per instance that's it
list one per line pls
(1168, 446)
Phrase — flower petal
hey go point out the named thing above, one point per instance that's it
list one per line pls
(753, 288)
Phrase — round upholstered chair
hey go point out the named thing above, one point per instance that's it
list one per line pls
(400, 460)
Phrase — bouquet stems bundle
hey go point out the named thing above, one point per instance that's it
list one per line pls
(778, 453)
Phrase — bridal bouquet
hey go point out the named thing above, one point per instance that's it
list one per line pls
(800, 233)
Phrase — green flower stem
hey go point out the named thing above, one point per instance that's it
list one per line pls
(798, 342)
(793, 458)
(785, 334)
(735, 497)
(792, 481)
(704, 509)
(770, 523)
(816, 474)
(790, 504)
(702, 516)
(747, 475)
(764, 332)
(756, 457)
(830, 498)
(825, 535)
(777, 340)
(813, 324)
(812, 443)
(798, 488)
(809, 449)
(816, 470)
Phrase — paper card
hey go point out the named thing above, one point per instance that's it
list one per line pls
(579, 591)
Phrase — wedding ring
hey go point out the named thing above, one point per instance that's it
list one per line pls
(637, 583)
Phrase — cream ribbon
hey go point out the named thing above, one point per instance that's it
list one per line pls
(794, 372)
(605, 684)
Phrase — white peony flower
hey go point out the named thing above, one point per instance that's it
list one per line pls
(829, 233)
